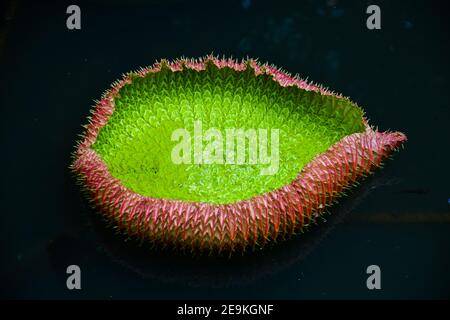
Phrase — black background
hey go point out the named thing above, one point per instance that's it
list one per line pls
(399, 219)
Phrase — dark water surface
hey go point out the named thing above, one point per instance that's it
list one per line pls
(399, 219)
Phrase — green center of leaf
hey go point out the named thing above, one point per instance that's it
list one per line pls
(219, 135)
